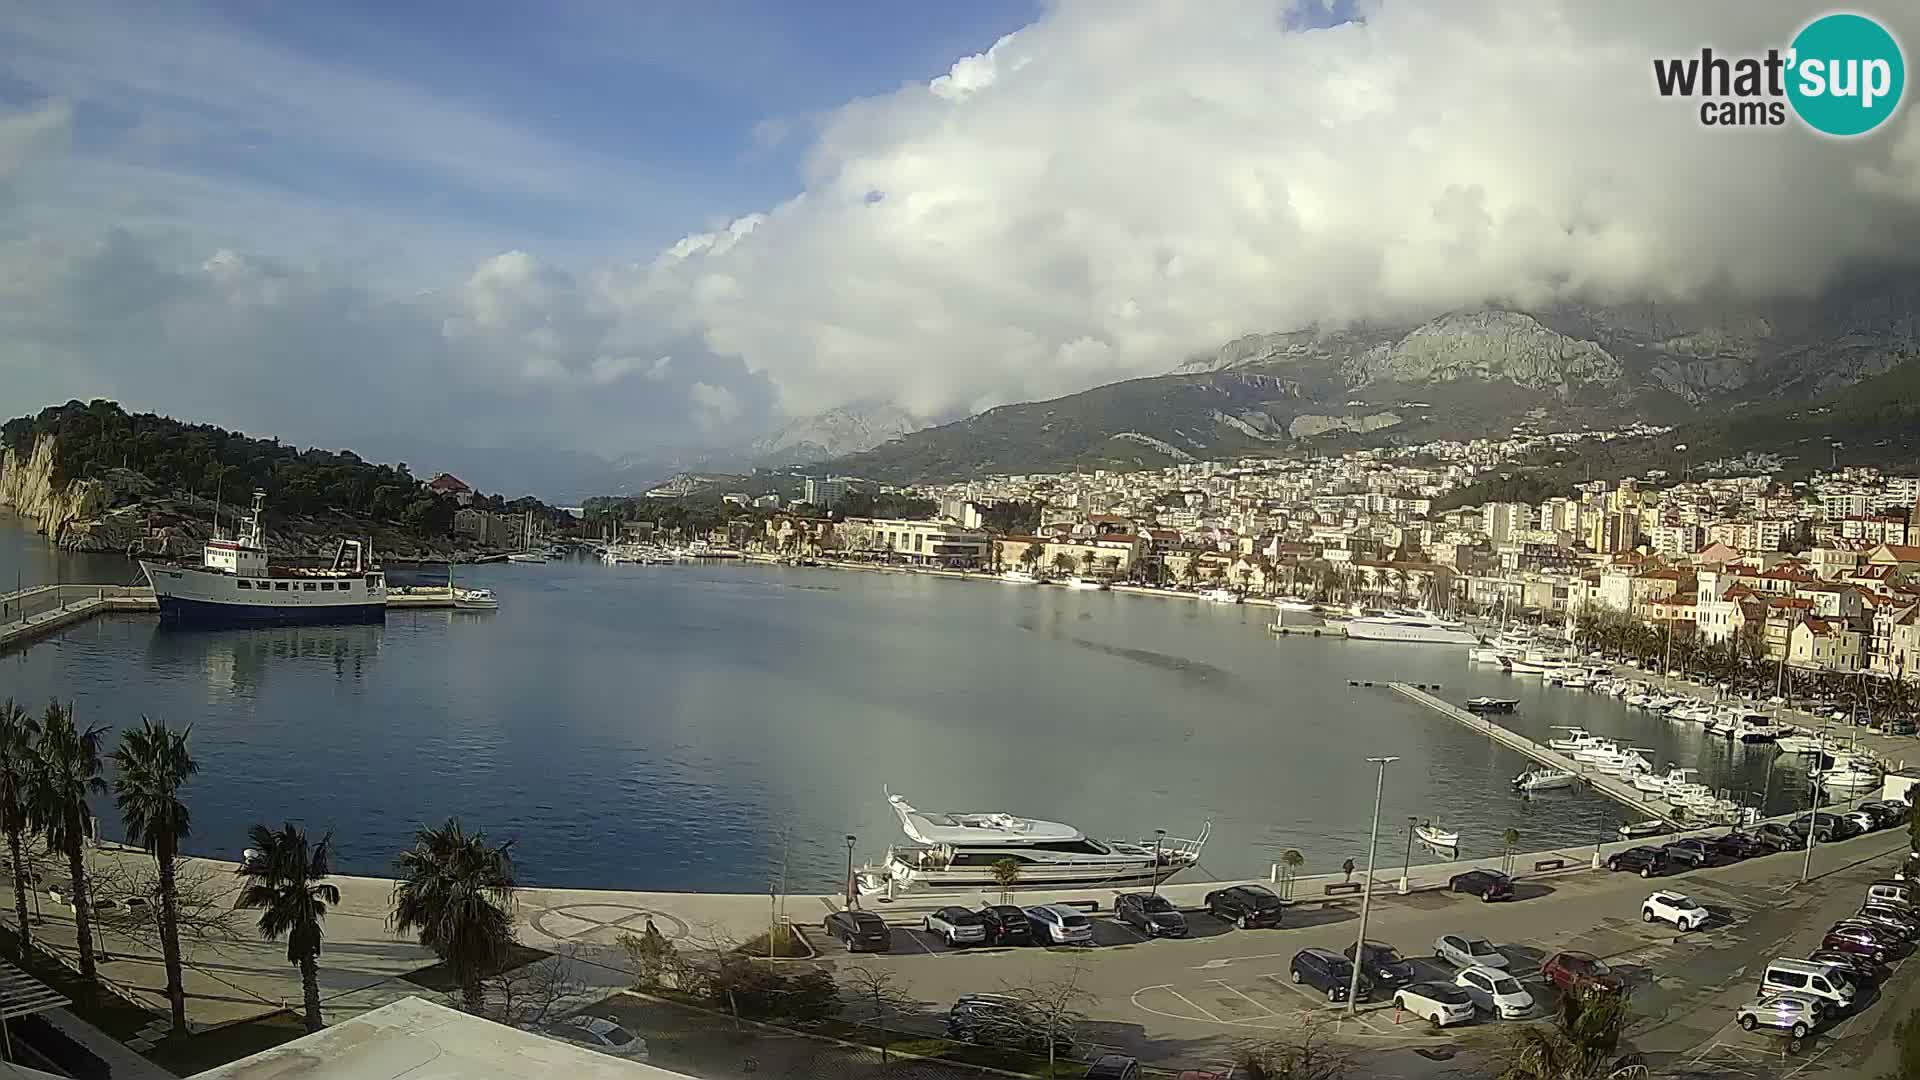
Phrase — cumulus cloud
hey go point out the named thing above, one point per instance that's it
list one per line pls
(1091, 198)
(1116, 185)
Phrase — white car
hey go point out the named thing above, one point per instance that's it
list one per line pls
(1675, 908)
(1790, 1013)
(1496, 991)
(1058, 924)
(602, 1034)
(1438, 1002)
(1466, 952)
(957, 925)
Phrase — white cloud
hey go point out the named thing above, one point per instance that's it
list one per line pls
(714, 406)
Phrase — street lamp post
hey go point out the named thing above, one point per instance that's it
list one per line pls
(1406, 867)
(1813, 821)
(1366, 897)
(852, 900)
(1158, 836)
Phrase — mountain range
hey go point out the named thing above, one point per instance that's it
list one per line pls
(1460, 375)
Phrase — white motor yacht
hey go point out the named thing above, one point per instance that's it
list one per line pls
(1087, 584)
(1597, 750)
(1018, 577)
(1221, 596)
(1543, 780)
(1574, 738)
(1756, 728)
(957, 851)
(526, 557)
(475, 600)
(1803, 743)
(1410, 628)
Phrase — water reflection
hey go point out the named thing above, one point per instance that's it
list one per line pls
(240, 660)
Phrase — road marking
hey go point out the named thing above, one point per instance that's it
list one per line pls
(1222, 984)
(915, 935)
(1225, 960)
(1194, 1007)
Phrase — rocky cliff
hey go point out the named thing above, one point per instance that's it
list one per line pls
(77, 515)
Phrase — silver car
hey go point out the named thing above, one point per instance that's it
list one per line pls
(1790, 1013)
(1058, 924)
(602, 1034)
(1468, 952)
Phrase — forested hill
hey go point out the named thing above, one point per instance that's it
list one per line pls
(93, 439)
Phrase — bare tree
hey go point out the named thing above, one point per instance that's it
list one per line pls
(876, 990)
(1307, 1055)
(1052, 1010)
(126, 894)
(653, 957)
(533, 993)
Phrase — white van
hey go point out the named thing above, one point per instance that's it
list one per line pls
(1823, 981)
(1898, 893)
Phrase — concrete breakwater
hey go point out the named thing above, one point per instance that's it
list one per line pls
(30, 614)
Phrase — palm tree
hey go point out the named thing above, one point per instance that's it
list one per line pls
(17, 732)
(287, 881)
(1063, 562)
(1292, 860)
(68, 770)
(1006, 873)
(1509, 841)
(1581, 1043)
(153, 764)
(457, 893)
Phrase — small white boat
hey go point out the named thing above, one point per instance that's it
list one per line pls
(1543, 780)
(1221, 596)
(527, 557)
(1803, 744)
(1641, 829)
(1574, 739)
(1490, 704)
(1516, 666)
(1596, 750)
(475, 600)
(1576, 681)
(1086, 584)
(1850, 781)
(1434, 836)
(1018, 577)
(1754, 728)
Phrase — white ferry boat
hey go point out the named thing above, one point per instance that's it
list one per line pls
(234, 585)
(957, 851)
(1409, 627)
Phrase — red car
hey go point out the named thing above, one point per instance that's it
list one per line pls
(1580, 971)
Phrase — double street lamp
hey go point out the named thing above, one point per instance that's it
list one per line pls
(1366, 896)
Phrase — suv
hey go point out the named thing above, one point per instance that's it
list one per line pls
(1245, 906)
(1690, 853)
(1792, 1013)
(1566, 971)
(1777, 837)
(1646, 861)
(1826, 828)
(859, 931)
(1738, 845)
(1327, 972)
(1006, 925)
(1113, 1067)
(999, 1020)
(1383, 964)
(956, 925)
(1675, 908)
(1057, 924)
(1900, 920)
(1150, 913)
(1486, 884)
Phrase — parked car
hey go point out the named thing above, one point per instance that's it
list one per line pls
(1777, 837)
(1861, 969)
(1245, 906)
(1113, 1067)
(1326, 971)
(1566, 971)
(1688, 854)
(1790, 1013)
(1822, 982)
(599, 1033)
(1486, 884)
(1826, 828)
(1862, 820)
(1058, 924)
(859, 931)
(1645, 861)
(1676, 908)
(1439, 1003)
(1383, 964)
(1895, 892)
(1890, 812)
(1863, 938)
(1468, 952)
(1000, 1020)
(1738, 845)
(1006, 924)
(1152, 915)
(957, 925)
(1495, 991)
(1899, 920)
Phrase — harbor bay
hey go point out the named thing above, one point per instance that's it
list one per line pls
(711, 727)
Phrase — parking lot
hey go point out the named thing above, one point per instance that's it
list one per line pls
(1171, 1001)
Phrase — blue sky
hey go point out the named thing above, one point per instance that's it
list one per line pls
(641, 121)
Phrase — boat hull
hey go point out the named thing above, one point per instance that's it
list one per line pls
(189, 597)
(178, 611)
(1032, 878)
(1368, 630)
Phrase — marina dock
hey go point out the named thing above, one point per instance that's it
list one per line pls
(1611, 786)
(30, 614)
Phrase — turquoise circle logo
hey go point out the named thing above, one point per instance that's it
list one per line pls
(1847, 75)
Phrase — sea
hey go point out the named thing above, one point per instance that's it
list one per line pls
(725, 726)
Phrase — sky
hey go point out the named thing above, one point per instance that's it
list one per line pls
(655, 228)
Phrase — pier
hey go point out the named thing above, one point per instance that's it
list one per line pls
(1611, 786)
(30, 614)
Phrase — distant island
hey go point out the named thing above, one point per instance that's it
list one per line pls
(94, 477)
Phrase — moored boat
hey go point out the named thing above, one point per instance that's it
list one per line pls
(1490, 704)
(1409, 628)
(1543, 780)
(1087, 584)
(1018, 577)
(1641, 829)
(1434, 836)
(235, 584)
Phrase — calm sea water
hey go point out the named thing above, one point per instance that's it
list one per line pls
(691, 727)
